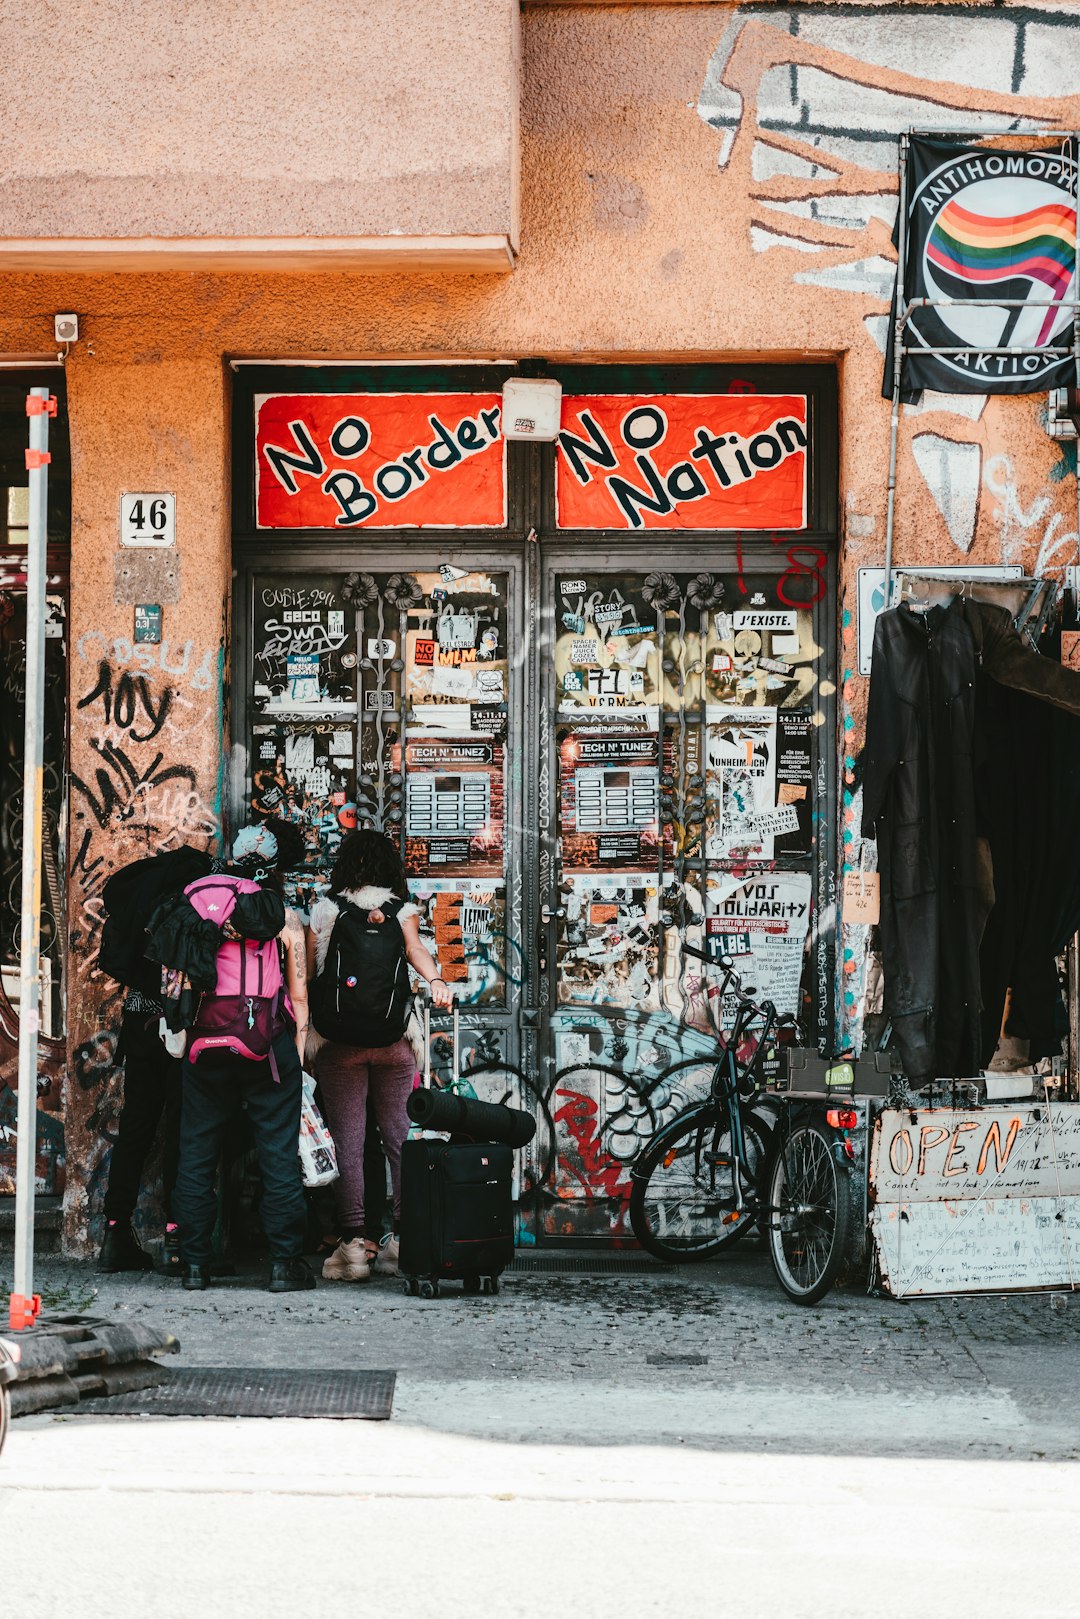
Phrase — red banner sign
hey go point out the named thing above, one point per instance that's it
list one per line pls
(379, 461)
(682, 461)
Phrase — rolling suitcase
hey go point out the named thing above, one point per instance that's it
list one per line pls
(457, 1211)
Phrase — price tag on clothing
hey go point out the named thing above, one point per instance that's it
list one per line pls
(862, 897)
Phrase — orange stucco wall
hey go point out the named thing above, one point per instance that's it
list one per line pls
(262, 118)
(663, 215)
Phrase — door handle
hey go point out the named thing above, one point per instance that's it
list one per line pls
(548, 915)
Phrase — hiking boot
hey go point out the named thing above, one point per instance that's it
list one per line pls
(121, 1250)
(291, 1276)
(386, 1261)
(196, 1278)
(348, 1262)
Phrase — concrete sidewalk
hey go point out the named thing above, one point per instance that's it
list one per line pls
(671, 1444)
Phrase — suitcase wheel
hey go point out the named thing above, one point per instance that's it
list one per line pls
(471, 1284)
(410, 1287)
(489, 1284)
(429, 1290)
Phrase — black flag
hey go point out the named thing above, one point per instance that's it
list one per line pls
(988, 223)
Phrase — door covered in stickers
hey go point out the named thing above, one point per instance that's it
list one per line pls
(687, 800)
(587, 688)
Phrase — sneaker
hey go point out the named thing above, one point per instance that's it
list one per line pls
(291, 1276)
(386, 1260)
(122, 1251)
(348, 1262)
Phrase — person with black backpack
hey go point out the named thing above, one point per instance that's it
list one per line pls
(151, 1073)
(362, 939)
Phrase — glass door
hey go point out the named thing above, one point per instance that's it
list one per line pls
(686, 793)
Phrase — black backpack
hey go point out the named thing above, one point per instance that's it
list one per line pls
(362, 996)
(129, 898)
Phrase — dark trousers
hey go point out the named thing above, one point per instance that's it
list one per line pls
(151, 1089)
(214, 1088)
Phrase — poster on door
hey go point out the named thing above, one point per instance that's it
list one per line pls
(794, 744)
(607, 951)
(608, 798)
(762, 653)
(762, 923)
(454, 799)
(682, 461)
(379, 460)
(741, 784)
(463, 924)
(606, 648)
(456, 654)
(303, 647)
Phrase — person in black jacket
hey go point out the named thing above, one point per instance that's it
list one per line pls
(151, 1075)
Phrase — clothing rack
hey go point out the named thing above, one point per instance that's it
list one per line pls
(1030, 601)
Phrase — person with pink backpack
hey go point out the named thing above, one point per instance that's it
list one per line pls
(244, 1049)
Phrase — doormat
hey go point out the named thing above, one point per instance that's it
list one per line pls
(229, 1391)
(631, 1264)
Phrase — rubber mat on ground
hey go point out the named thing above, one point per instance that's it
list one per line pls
(229, 1391)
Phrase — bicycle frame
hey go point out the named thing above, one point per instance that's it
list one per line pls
(725, 1086)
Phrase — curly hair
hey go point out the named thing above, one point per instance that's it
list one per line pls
(368, 859)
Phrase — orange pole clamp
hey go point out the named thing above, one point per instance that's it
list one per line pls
(40, 407)
(23, 1312)
(37, 458)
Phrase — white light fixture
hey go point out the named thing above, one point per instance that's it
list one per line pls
(531, 408)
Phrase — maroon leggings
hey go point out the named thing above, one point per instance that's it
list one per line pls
(344, 1074)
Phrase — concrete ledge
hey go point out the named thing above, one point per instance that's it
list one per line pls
(366, 255)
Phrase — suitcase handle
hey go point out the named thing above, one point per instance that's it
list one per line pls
(456, 1070)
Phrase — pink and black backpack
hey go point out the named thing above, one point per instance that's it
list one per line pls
(245, 1013)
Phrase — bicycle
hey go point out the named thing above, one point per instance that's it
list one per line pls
(716, 1170)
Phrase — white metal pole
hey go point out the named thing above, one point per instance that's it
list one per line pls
(899, 330)
(24, 1304)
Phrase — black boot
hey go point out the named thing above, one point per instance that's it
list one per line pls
(196, 1278)
(291, 1276)
(121, 1251)
(172, 1262)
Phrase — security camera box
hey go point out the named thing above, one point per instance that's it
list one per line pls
(532, 408)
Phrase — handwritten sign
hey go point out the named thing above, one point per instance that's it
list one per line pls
(862, 897)
(976, 1200)
(683, 461)
(379, 461)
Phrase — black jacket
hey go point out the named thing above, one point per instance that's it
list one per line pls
(924, 745)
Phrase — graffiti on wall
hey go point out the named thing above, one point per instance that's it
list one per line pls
(140, 716)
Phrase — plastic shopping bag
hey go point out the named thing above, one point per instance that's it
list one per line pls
(318, 1156)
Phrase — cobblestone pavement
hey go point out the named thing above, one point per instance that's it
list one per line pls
(852, 1369)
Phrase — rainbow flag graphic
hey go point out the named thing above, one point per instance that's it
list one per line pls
(1037, 246)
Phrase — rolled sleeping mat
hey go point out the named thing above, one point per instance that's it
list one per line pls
(461, 1115)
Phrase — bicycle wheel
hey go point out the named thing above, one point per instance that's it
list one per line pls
(682, 1188)
(809, 1225)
